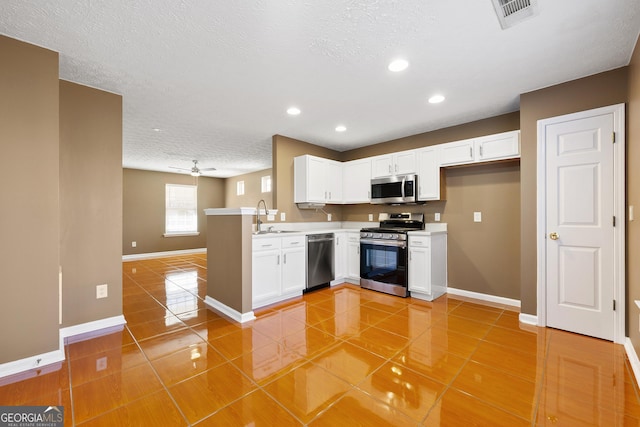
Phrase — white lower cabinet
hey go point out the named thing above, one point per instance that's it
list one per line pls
(353, 257)
(340, 255)
(427, 266)
(278, 269)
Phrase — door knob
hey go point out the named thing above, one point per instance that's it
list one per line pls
(554, 236)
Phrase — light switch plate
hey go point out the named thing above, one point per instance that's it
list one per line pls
(370, 217)
(328, 217)
(133, 244)
(283, 216)
(102, 291)
(477, 217)
(437, 216)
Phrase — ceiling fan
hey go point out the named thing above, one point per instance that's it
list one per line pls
(195, 170)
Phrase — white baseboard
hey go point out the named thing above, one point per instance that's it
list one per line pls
(228, 311)
(96, 328)
(28, 367)
(528, 319)
(151, 255)
(484, 297)
(32, 366)
(633, 358)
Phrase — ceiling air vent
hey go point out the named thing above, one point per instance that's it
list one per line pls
(512, 12)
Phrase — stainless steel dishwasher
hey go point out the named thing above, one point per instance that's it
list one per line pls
(320, 269)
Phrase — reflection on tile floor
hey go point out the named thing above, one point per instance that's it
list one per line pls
(334, 357)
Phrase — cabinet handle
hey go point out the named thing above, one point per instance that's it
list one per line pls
(325, 195)
(481, 151)
(396, 167)
(471, 152)
(368, 194)
(329, 195)
(278, 260)
(337, 241)
(267, 246)
(358, 250)
(284, 257)
(295, 243)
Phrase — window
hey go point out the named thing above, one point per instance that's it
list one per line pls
(240, 188)
(266, 184)
(181, 210)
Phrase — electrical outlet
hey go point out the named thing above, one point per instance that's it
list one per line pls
(133, 244)
(437, 216)
(101, 364)
(283, 216)
(630, 212)
(328, 217)
(370, 217)
(102, 291)
(477, 217)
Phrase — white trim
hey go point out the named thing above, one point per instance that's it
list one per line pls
(230, 211)
(185, 234)
(633, 358)
(22, 366)
(88, 330)
(225, 309)
(528, 319)
(619, 210)
(484, 297)
(152, 255)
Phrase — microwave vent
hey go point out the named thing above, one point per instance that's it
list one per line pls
(512, 12)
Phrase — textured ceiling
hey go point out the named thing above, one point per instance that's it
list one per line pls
(217, 76)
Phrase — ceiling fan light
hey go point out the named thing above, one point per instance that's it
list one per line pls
(195, 173)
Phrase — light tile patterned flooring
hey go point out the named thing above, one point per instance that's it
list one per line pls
(339, 356)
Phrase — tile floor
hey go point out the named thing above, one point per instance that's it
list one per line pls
(339, 356)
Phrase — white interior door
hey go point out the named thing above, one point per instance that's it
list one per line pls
(580, 208)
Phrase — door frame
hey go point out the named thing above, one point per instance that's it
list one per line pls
(619, 210)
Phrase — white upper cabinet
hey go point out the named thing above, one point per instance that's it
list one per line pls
(484, 149)
(356, 181)
(456, 153)
(317, 180)
(400, 163)
(496, 147)
(428, 174)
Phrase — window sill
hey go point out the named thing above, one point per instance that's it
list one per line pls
(195, 233)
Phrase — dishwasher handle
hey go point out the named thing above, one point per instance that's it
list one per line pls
(320, 238)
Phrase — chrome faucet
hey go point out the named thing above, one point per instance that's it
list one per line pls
(258, 221)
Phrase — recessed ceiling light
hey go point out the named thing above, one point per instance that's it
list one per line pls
(156, 130)
(398, 65)
(293, 111)
(436, 99)
(341, 128)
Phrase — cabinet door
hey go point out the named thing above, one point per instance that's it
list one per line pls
(428, 174)
(293, 270)
(340, 255)
(382, 166)
(356, 181)
(332, 178)
(456, 153)
(419, 269)
(309, 179)
(404, 163)
(496, 147)
(353, 257)
(265, 275)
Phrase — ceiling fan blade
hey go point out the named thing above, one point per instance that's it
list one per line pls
(207, 169)
(180, 169)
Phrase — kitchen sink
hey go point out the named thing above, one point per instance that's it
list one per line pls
(275, 231)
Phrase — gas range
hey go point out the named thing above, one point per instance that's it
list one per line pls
(384, 253)
(394, 226)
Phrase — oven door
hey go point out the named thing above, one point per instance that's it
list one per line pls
(384, 262)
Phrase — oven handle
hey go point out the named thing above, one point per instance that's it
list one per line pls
(397, 243)
(404, 178)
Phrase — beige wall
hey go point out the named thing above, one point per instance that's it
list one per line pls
(90, 202)
(633, 199)
(578, 95)
(284, 151)
(29, 218)
(252, 190)
(229, 261)
(144, 205)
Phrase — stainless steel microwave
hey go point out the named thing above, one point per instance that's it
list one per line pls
(394, 189)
